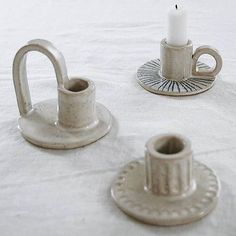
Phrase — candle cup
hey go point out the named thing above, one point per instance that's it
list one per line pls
(76, 104)
(178, 63)
(167, 187)
(168, 165)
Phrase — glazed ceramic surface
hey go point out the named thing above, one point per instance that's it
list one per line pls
(178, 72)
(65, 193)
(169, 187)
(178, 63)
(74, 120)
(150, 78)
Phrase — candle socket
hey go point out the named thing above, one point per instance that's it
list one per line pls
(176, 62)
(168, 160)
(76, 104)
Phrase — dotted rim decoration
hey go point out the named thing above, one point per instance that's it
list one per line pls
(165, 216)
(148, 76)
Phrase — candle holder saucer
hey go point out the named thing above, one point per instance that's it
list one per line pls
(150, 78)
(40, 127)
(73, 120)
(168, 188)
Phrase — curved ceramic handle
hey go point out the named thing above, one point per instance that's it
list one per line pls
(20, 73)
(212, 52)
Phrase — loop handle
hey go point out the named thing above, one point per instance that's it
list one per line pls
(20, 72)
(212, 52)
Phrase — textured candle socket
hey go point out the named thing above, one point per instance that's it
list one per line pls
(168, 165)
(73, 120)
(167, 187)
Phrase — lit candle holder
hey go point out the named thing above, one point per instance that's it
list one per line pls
(178, 71)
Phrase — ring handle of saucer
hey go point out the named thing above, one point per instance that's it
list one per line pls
(205, 49)
(20, 72)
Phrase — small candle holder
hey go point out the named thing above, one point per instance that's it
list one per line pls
(178, 71)
(168, 187)
(73, 120)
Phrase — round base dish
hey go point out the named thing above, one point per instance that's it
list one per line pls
(130, 195)
(149, 77)
(40, 127)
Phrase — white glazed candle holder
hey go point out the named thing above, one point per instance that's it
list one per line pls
(169, 188)
(178, 72)
(74, 120)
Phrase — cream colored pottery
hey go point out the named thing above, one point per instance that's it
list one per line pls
(178, 72)
(168, 187)
(73, 120)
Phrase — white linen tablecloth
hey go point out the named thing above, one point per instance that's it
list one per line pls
(48, 192)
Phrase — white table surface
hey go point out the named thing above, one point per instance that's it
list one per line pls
(48, 192)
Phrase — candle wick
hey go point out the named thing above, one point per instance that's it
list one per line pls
(176, 7)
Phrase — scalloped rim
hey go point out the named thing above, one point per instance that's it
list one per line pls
(144, 213)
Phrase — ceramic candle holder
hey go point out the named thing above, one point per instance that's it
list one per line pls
(168, 187)
(73, 120)
(178, 72)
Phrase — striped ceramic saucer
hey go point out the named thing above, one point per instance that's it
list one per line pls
(148, 76)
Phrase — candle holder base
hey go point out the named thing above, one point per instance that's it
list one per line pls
(130, 195)
(149, 77)
(40, 127)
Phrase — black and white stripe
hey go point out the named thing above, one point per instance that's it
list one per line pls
(149, 77)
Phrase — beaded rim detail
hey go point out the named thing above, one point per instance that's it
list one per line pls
(165, 216)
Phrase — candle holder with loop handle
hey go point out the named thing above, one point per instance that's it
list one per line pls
(178, 72)
(73, 120)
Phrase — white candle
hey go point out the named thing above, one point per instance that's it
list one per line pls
(177, 27)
